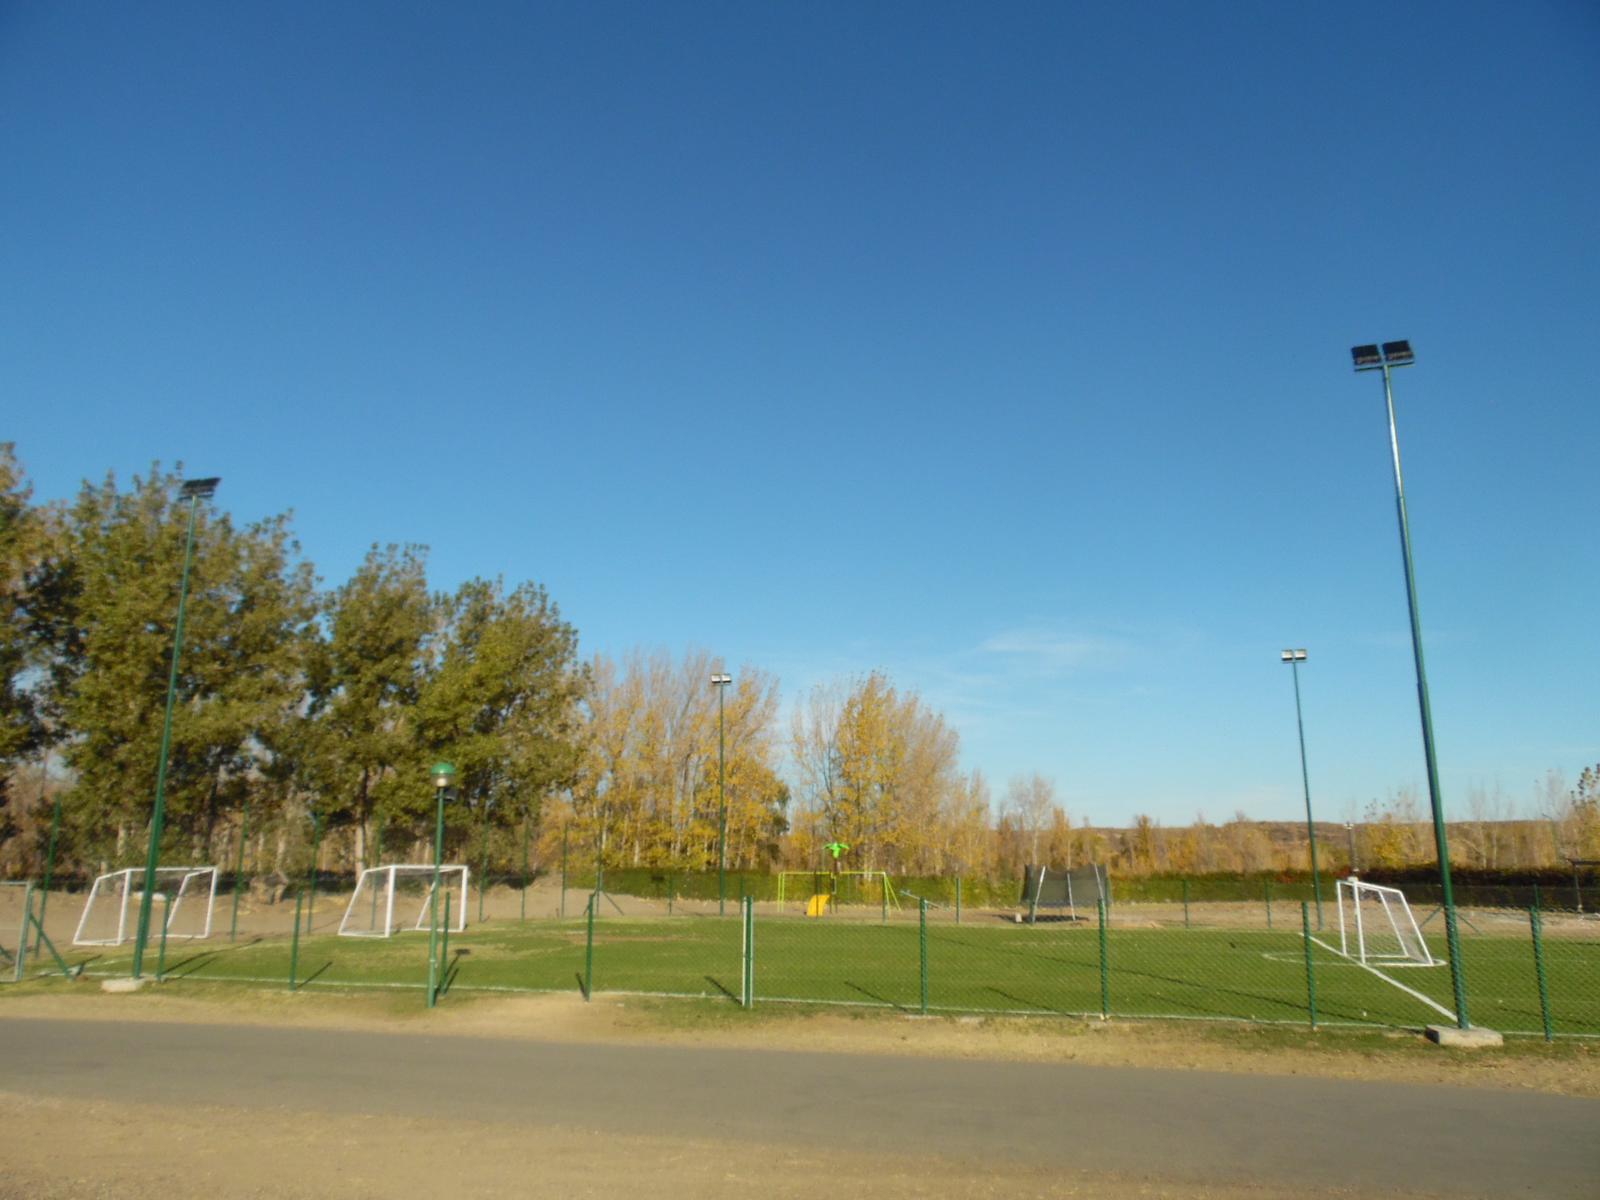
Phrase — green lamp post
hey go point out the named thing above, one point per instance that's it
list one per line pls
(1294, 658)
(444, 775)
(1385, 358)
(194, 491)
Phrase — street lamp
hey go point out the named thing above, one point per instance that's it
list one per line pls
(444, 775)
(194, 491)
(721, 682)
(1385, 358)
(1294, 658)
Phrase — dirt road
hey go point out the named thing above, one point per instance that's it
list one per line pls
(235, 1110)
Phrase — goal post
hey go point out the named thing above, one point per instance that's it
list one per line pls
(841, 887)
(397, 899)
(1376, 925)
(111, 912)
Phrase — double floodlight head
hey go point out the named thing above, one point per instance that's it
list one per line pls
(1375, 357)
(199, 489)
(444, 774)
(721, 680)
(1293, 656)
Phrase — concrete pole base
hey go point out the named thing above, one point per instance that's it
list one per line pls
(1466, 1039)
(125, 984)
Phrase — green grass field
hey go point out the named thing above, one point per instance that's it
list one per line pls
(993, 967)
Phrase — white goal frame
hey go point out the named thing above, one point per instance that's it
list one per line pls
(127, 885)
(1354, 937)
(386, 878)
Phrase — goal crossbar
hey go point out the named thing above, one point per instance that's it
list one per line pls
(823, 877)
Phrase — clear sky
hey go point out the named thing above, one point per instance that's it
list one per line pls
(1000, 347)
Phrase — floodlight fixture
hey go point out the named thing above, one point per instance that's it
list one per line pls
(199, 489)
(1293, 655)
(1376, 357)
(721, 680)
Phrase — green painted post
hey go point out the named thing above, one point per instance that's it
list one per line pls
(1458, 976)
(483, 862)
(316, 852)
(1536, 903)
(1186, 904)
(885, 882)
(22, 942)
(1295, 657)
(721, 681)
(238, 870)
(194, 489)
(958, 899)
(922, 949)
(444, 943)
(749, 988)
(1105, 966)
(561, 910)
(672, 891)
(1267, 891)
(1536, 924)
(1311, 971)
(443, 774)
(294, 946)
(588, 951)
(49, 870)
(376, 861)
(161, 954)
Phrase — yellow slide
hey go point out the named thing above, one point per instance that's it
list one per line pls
(818, 905)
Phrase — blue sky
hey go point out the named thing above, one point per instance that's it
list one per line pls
(1003, 348)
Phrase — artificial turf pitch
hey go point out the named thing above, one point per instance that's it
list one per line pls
(993, 967)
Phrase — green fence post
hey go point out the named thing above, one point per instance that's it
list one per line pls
(1105, 966)
(1536, 903)
(166, 917)
(749, 988)
(1311, 971)
(1267, 891)
(922, 949)
(885, 899)
(294, 946)
(444, 943)
(1186, 904)
(588, 952)
(316, 853)
(238, 870)
(49, 871)
(958, 899)
(22, 942)
(1538, 969)
(672, 892)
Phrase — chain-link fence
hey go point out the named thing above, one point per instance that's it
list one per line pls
(1190, 950)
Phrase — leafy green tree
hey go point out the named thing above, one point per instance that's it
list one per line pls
(502, 704)
(114, 595)
(360, 739)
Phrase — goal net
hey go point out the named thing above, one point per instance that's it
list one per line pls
(1376, 926)
(186, 895)
(839, 887)
(397, 898)
(1052, 887)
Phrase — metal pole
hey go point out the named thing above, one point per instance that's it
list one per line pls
(561, 910)
(1350, 833)
(49, 871)
(316, 852)
(1311, 972)
(722, 808)
(1458, 980)
(1266, 889)
(922, 949)
(483, 862)
(166, 920)
(158, 813)
(1305, 778)
(958, 899)
(294, 946)
(238, 870)
(1186, 904)
(433, 898)
(1535, 925)
(527, 829)
(1105, 966)
(588, 949)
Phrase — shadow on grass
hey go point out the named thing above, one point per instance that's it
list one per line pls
(871, 995)
(717, 983)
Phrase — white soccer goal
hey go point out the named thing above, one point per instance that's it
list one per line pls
(111, 913)
(1376, 926)
(386, 898)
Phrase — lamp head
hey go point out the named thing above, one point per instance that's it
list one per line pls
(199, 489)
(721, 680)
(444, 774)
(1292, 656)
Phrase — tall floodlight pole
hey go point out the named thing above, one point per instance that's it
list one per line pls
(443, 775)
(721, 682)
(1385, 358)
(194, 491)
(1294, 658)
